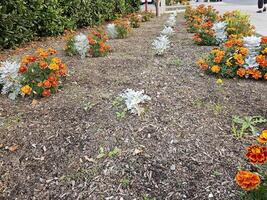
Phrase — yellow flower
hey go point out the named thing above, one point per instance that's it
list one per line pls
(264, 51)
(219, 81)
(215, 69)
(53, 66)
(26, 89)
(56, 60)
(263, 137)
(228, 63)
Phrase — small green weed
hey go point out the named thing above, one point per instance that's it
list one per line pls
(241, 125)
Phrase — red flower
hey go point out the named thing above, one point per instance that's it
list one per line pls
(23, 69)
(46, 93)
(257, 154)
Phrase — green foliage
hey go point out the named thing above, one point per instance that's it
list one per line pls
(257, 194)
(241, 125)
(70, 48)
(23, 20)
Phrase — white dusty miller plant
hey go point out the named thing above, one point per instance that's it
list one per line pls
(81, 44)
(167, 31)
(220, 34)
(252, 43)
(112, 31)
(160, 44)
(171, 20)
(10, 78)
(134, 100)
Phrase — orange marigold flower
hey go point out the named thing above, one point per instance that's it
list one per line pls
(56, 60)
(217, 59)
(101, 44)
(54, 83)
(46, 93)
(247, 180)
(43, 64)
(202, 64)
(241, 72)
(265, 76)
(256, 74)
(243, 51)
(26, 89)
(239, 59)
(262, 137)
(51, 77)
(107, 47)
(264, 40)
(43, 54)
(47, 84)
(40, 84)
(215, 69)
(54, 66)
(91, 41)
(51, 51)
(261, 60)
(257, 154)
(23, 69)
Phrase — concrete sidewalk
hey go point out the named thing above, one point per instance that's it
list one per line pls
(259, 20)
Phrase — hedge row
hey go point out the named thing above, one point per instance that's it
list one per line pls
(22, 20)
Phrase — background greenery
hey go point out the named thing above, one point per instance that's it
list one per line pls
(22, 20)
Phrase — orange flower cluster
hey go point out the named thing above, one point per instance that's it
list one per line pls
(256, 154)
(200, 20)
(233, 42)
(123, 27)
(247, 180)
(230, 60)
(202, 64)
(97, 41)
(261, 60)
(219, 54)
(41, 73)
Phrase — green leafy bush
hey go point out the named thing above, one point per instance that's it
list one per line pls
(22, 20)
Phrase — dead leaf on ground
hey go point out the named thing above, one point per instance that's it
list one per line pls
(13, 148)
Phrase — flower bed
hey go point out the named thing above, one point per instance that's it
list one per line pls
(244, 58)
(254, 183)
(212, 29)
(36, 75)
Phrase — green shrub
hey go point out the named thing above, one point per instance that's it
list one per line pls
(22, 20)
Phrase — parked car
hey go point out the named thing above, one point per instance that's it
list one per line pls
(148, 1)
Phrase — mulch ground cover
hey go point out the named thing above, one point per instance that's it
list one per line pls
(182, 148)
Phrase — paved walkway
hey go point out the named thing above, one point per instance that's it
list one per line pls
(248, 6)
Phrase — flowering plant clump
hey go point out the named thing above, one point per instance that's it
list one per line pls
(238, 24)
(77, 45)
(212, 29)
(135, 100)
(196, 17)
(123, 28)
(161, 44)
(254, 183)
(97, 41)
(10, 78)
(135, 20)
(167, 31)
(41, 74)
(244, 58)
(146, 16)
